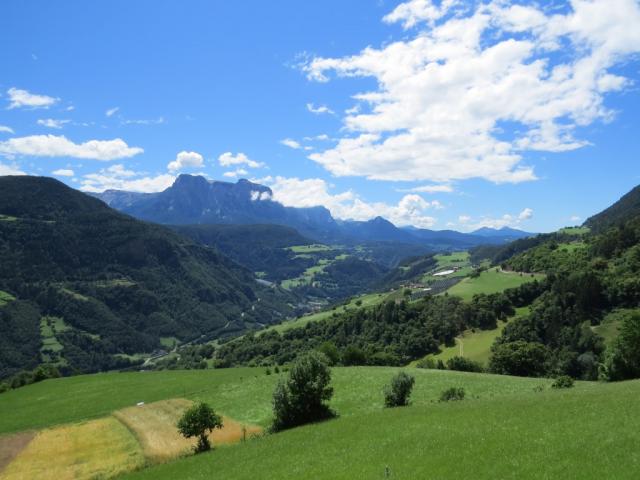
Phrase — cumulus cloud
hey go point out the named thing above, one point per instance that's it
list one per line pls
(22, 98)
(60, 146)
(112, 111)
(575, 218)
(288, 142)
(319, 110)
(117, 177)
(63, 172)
(186, 159)
(525, 214)
(431, 189)
(228, 159)
(238, 172)
(410, 210)
(5, 129)
(260, 196)
(506, 220)
(477, 85)
(52, 123)
(10, 170)
(415, 11)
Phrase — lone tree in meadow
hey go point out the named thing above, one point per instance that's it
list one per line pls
(199, 421)
(397, 393)
(301, 397)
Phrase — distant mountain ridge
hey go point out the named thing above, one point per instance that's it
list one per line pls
(195, 200)
(113, 284)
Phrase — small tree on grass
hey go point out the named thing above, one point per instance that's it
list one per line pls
(453, 393)
(301, 397)
(199, 421)
(397, 393)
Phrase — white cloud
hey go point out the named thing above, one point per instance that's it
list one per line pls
(63, 172)
(111, 111)
(60, 146)
(227, 159)
(52, 123)
(10, 170)
(22, 98)
(295, 192)
(117, 177)
(152, 121)
(319, 110)
(506, 220)
(4, 128)
(288, 142)
(239, 172)
(471, 91)
(525, 214)
(575, 218)
(260, 196)
(415, 11)
(431, 189)
(186, 159)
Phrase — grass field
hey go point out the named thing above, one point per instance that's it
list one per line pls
(582, 433)
(243, 394)
(490, 281)
(315, 248)
(366, 300)
(577, 231)
(476, 345)
(95, 449)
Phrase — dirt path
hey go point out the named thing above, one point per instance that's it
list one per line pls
(12, 445)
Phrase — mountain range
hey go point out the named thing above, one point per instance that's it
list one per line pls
(195, 200)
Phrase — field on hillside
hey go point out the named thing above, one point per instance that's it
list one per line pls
(582, 433)
(490, 281)
(476, 345)
(93, 426)
(363, 301)
(243, 394)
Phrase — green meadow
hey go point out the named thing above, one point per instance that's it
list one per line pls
(490, 281)
(589, 432)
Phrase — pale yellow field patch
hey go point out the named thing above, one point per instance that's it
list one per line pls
(154, 425)
(100, 448)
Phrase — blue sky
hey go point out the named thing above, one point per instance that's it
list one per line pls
(441, 114)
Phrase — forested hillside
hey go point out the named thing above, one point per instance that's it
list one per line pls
(85, 288)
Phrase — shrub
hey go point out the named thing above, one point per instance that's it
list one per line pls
(397, 393)
(463, 364)
(199, 421)
(563, 381)
(426, 363)
(453, 393)
(301, 397)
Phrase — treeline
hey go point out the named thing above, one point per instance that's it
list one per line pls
(392, 333)
(584, 284)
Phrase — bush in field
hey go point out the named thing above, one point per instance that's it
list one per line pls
(397, 393)
(199, 421)
(463, 364)
(301, 397)
(563, 381)
(453, 393)
(427, 362)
